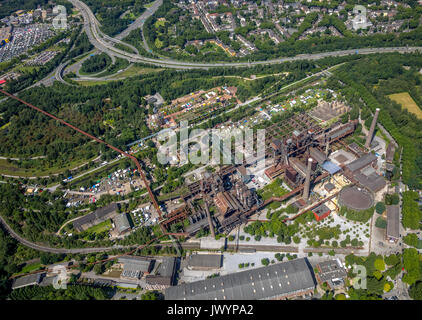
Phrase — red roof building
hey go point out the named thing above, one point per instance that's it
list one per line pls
(321, 212)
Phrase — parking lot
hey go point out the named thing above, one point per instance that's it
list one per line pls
(120, 182)
(42, 58)
(24, 38)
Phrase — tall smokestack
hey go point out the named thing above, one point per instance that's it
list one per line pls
(211, 225)
(307, 180)
(327, 147)
(285, 153)
(372, 129)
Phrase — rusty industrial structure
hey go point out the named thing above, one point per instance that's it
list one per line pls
(222, 200)
(372, 129)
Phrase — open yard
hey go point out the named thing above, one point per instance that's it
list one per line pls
(406, 101)
(101, 227)
(30, 268)
(11, 168)
(274, 189)
(136, 70)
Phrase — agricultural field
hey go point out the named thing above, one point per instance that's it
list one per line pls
(406, 101)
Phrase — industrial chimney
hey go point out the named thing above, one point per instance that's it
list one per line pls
(205, 197)
(327, 147)
(372, 129)
(307, 180)
(210, 224)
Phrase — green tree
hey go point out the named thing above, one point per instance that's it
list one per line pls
(151, 295)
(415, 291)
(265, 261)
(380, 207)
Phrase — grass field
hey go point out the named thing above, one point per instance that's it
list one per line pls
(10, 168)
(135, 70)
(5, 126)
(29, 268)
(103, 226)
(159, 23)
(91, 83)
(274, 189)
(406, 101)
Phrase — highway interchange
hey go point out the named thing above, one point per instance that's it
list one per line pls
(104, 43)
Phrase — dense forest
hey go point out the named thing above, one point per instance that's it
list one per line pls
(72, 292)
(8, 7)
(38, 218)
(7, 266)
(115, 111)
(370, 81)
(96, 63)
(116, 15)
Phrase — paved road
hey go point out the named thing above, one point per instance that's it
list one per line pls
(18, 159)
(38, 247)
(100, 41)
(139, 22)
(53, 188)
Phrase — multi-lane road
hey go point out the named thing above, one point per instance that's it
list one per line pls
(105, 44)
(139, 22)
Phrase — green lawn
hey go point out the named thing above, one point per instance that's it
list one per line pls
(101, 227)
(11, 169)
(91, 83)
(29, 268)
(177, 192)
(135, 70)
(159, 23)
(5, 126)
(274, 189)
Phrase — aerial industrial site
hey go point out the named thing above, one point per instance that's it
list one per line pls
(210, 150)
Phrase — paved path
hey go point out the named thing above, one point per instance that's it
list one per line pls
(45, 248)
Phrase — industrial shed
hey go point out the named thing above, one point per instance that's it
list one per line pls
(98, 216)
(393, 223)
(164, 276)
(26, 281)
(278, 281)
(134, 267)
(122, 223)
(205, 261)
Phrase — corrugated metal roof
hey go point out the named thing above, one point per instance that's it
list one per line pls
(205, 261)
(276, 280)
(98, 214)
(122, 222)
(134, 264)
(331, 167)
(29, 280)
(362, 162)
(393, 221)
(373, 182)
(317, 155)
